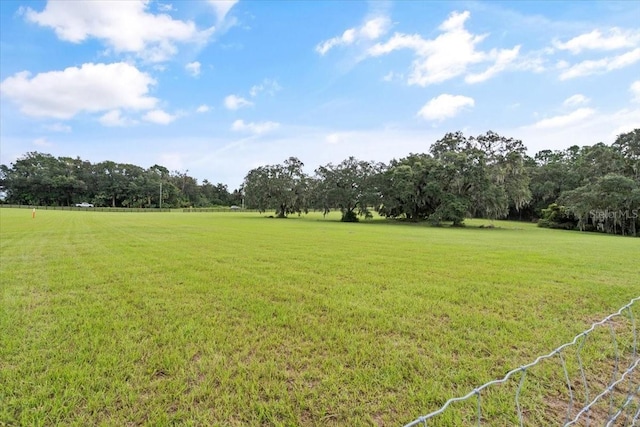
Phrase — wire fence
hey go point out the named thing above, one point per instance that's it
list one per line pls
(83, 209)
(110, 209)
(596, 384)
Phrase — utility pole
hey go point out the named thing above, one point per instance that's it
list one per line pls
(160, 193)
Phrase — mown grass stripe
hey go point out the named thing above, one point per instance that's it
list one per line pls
(236, 319)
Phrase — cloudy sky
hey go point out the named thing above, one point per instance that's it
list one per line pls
(216, 88)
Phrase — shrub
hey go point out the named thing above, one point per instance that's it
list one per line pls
(349, 216)
(557, 216)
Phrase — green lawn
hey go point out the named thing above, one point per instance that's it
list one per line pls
(237, 319)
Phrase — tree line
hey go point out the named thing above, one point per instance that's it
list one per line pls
(490, 176)
(44, 180)
(595, 188)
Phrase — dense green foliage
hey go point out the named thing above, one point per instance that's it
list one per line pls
(283, 187)
(238, 320)
(596, 188)
(556, 216)
(43, 180)
(349, 187)
(488, 176)
(483, 176)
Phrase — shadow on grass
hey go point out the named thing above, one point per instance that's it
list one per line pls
(317, 217)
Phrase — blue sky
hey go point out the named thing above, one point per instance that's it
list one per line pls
(216, 88)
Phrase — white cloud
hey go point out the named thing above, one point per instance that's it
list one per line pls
(193, 68)
(575, 100)
(502, 58)
(114, 118)
(172, 160)
(124, 26)
(380, 143)
(595, 40)
(165, 7)
(202, 109)
(337, 137)
(257, 128)
(334, 138)
(159, 117)
(59, 127)
(448, 55)
(233, 102)
(534, 61)
(371, 30)
(90, 88)
(635, 90)
(42, 142)
(455, 22)
(445, 106)
(374, 28)
(400, 41)
(268, 86)
(600, 66)
(561, 121)
(603, 126)
(391, 76)
(222, 7)
(342, 138)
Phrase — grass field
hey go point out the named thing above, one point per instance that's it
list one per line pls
(236, 319)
